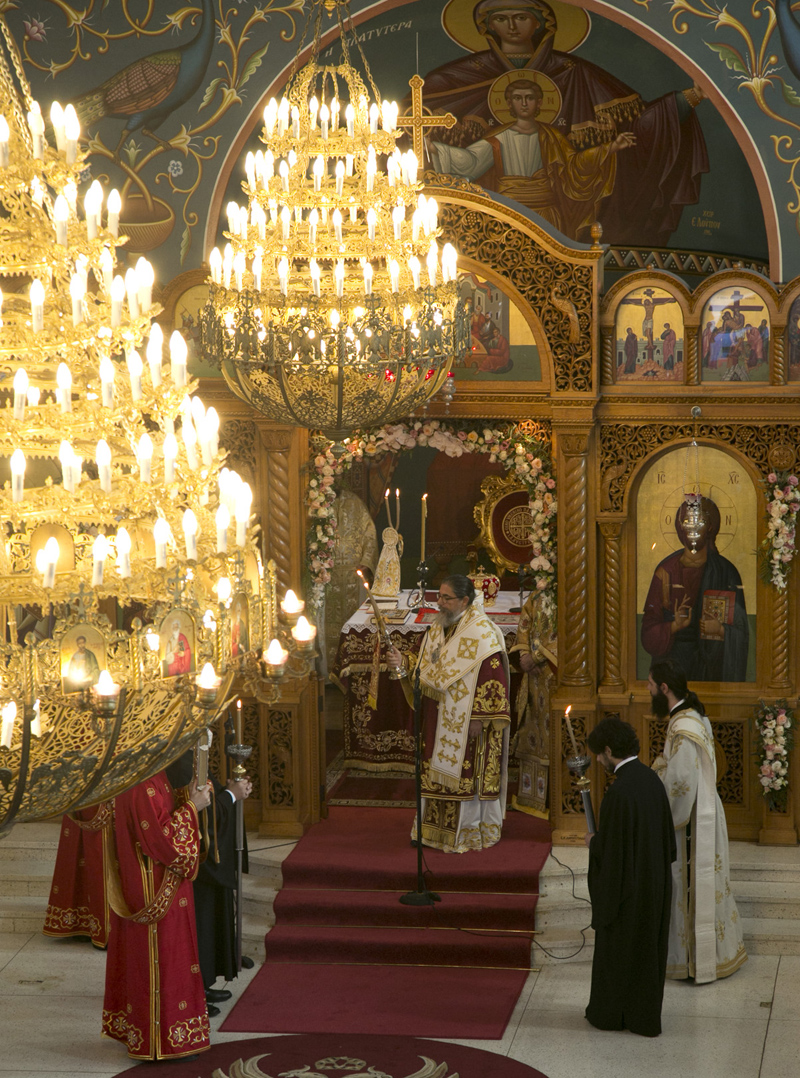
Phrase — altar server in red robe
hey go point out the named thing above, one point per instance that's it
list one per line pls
(154, 999)
(77, 905)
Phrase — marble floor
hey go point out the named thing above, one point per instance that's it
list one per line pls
(745, 1027)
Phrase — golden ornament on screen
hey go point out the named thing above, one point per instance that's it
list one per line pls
(334, 303)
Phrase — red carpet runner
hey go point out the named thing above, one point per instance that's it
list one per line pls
(400, 1057)
(346, 957)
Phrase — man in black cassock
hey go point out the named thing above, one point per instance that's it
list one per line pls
(215, 884)
(630, 884)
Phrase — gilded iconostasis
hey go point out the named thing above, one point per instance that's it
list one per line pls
(622, 183)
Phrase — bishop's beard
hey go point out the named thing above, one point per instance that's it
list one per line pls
(659, 705)
(445, 618)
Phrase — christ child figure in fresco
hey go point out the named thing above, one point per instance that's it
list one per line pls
(695, 611)
(531, 162)
(654, 180)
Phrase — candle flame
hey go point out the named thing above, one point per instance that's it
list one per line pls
(566, 713)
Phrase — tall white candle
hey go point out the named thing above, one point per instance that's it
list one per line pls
(57, 120)
(99, 552)
(190, 534)
(114, 206)
(20, 392)
(190, 441)
(77, 290)
(178, 354)
(117, 298)
(161, 537)
(135, 367)
(123, 545)
(144, 455)
(61, 217)
(72, 132)
(223, 519)
(244, 500)
(154, 352)
(37, 305)
(170, 453)
(107, 381)
(103, 459)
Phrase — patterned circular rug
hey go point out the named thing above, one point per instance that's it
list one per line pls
(348, 1056)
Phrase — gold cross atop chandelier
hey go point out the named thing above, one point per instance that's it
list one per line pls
(334, 304)
(114, 499)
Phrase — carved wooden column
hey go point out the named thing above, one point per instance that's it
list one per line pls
(612, 599)
(576, 600)
(780, 681)
(607, 355)
(692, 366)
(778, 353)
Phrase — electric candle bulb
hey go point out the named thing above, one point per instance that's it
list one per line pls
(324, 119)
(114, 206)
(398, 216)
(449, 263)
(223, 520)
(77, 290)
(291, 605)
(17, 475)
(338, 276)
(367, 278)
(212, 426)
(123, 545)
(9, 718)
(4, 134)
(106, 269)
(20, 392)
(170, 453)
(33, 395)
(413, 165)
(61, 217)
(91, 209)
(283, 116)
(313, 270)
(190, 442)
(72, 132)
(66, 456)
(319, 171)
(57, 120)
(414, 266)
(64, 383)
(227, 265)
(117, 297)
(313, 109)
(244, 500)
(258, 269)
(283, 275)
(36, 721)
(335, 108)
(224, 589)
(103, 459)
(374, 115)
(178, 355)
(270, 116)
(239, 268)
(372, 217)
(190, 534)
(37, 305)
(145, 277)
(132, 291)
(99, 552)
(36, 125)
(77, 465)
(275, 659)
(372, 168)
(304, 632)
(394, 274)
(350, 119)
(215, 266)
(295, 114)
(107, 381)
(161, 537)
(432, 262)
(50, 561)
(250, 169)
(144, 455)
(153, 352)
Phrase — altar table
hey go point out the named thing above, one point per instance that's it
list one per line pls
(381, 740)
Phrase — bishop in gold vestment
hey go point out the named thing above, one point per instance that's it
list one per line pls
(463, 673)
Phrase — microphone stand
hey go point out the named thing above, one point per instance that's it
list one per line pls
(422, 896)
(239, 753)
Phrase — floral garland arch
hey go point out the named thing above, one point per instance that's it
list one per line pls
(516, 446)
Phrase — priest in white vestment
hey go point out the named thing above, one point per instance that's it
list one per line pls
(705, 937)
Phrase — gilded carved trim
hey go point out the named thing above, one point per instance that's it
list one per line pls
(280, 539)
(778, 353)
(540, 276)
(780, 681)
(607, 355)
(573, 449)
(612, 593)
(624, 444)
(280, 760)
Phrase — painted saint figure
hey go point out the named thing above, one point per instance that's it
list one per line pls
(654, 180)
(83, 669)
(695, 611)
(178, 654)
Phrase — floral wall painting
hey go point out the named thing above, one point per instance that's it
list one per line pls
(503, 346)
(793, 342)
(734, 337)
(648, 337)
(697, 607)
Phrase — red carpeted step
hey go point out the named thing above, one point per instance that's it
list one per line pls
(369, 848)
(311, 906)
(398, 946)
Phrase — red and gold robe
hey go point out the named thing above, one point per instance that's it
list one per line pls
(77, 905)
(154, 999)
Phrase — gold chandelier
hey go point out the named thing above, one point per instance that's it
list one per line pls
(334, 305)
(118, 499)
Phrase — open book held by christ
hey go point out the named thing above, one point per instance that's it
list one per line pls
(720, 606)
